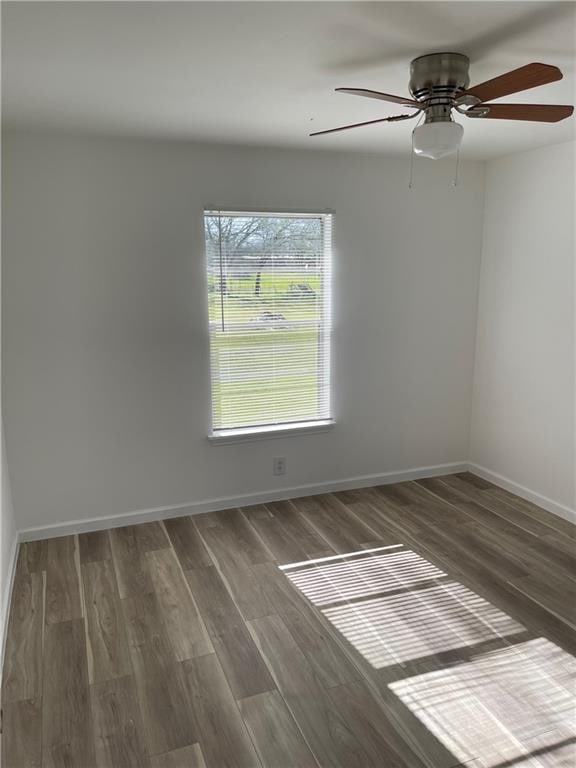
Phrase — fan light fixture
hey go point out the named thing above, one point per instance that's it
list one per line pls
(436, 140)
(439, 84)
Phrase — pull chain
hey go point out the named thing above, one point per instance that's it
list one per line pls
(411, 163)
(457, 168)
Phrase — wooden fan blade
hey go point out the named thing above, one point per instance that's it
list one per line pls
(392, 119)
(377, 95)
(539, 113)
(520, 79)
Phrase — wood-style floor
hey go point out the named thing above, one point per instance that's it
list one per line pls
(427, 623)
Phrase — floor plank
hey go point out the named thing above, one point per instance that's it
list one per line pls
(522, 538)
(234, 531)
(182, 621)
(545, 546)
(422, 746)
(108, 655)
(534, 554)
(22, 734)
(224, 739)
(119, 735)
(355, 501)
(285, 533)
(94, 546)
(324, 655)
(150, 536)
(214, 601)
(67, 728)
(187, 757)
(432, 544)
(187, 543)
(486, 507)
(32, 556)
(22, 678)
(129, 553)
(240, 659)
(395, 494)
(502, 507)
(330, 738)
(313, 544)
(246, 582)
(360, 707)
(310, 629)
(62, 580)
(160, 683)
(557, 523)
(375, 512)
(551, 596)
(476, 547)
(525, 506)
(327, 515)
(274, 732)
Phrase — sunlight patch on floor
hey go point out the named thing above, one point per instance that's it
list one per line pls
(324, 583)
(512, 705)
(491, 692)
(395, 629)
(394, 606)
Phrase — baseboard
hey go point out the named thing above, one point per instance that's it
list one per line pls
(310, 489)
(6, 598)
(525, 493)
(245, 500)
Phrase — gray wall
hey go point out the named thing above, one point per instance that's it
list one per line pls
(105, 332)
(523, 413)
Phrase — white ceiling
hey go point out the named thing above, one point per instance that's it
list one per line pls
(264, 73)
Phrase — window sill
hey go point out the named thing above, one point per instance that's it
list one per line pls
(248, 434)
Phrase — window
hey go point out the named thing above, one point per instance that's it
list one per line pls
(269, 313)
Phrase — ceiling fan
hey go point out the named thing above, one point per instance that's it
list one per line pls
(439, 84)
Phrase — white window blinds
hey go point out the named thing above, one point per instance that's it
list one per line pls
(269, 312)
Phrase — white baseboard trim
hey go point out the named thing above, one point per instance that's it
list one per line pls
(6, 598)
(227, 502)
(525, 493)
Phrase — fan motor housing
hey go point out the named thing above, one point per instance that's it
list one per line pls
(439, 76)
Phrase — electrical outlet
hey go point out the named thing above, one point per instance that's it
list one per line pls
(279, 465)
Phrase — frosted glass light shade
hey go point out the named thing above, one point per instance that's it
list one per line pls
(437, 140)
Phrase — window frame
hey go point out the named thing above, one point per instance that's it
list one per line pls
(260, 432)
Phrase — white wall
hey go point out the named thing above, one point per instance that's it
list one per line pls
(523, 424)
(105, 340)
